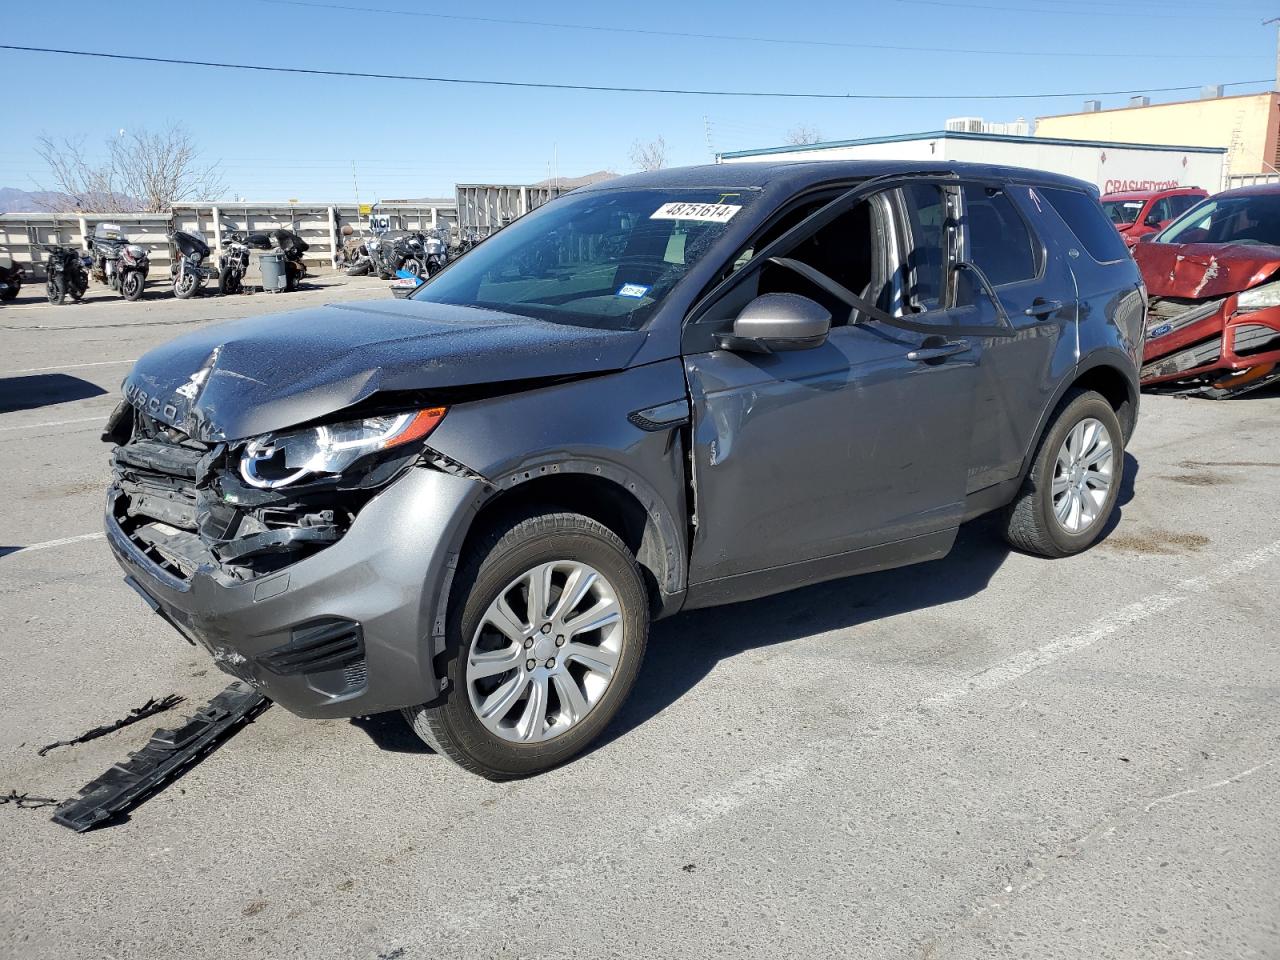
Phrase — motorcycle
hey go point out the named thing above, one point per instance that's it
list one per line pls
(436, 249)
(233, 263)
(11, 277)
(188, 254)
(291, 245)
(66, 271)
(117, 262)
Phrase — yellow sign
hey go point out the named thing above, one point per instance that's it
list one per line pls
(366, 209)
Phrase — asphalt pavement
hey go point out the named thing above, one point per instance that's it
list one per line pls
(986, 756)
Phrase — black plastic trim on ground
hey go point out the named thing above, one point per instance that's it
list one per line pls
(165, 757)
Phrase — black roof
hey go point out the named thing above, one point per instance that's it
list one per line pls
(794, 175)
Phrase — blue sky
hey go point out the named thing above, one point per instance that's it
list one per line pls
(280, 136)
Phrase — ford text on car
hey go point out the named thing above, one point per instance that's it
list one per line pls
(661, 392)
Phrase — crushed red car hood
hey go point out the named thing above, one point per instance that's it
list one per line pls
(1204, 269)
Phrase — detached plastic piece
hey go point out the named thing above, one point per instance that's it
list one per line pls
(166, 757)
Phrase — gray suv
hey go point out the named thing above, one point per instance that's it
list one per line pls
(661, 392)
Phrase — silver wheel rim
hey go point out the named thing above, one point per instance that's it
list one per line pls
(1082, 476)
(545, 651)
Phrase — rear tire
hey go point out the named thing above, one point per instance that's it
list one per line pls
(497, 567)
(1071, 490)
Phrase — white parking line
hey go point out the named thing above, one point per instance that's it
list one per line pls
(701, 812)
(60, 542)
(101, 418)
(64, 366)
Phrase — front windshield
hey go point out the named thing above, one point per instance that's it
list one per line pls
(1122, 212)
(1245, 220)
(600, 259)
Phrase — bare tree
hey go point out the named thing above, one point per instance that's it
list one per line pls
(651, 155)
(141, 172)
(802, 135)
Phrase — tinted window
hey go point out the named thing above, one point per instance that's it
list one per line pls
(1085, 218)
(1180, 205)
(1161, 211)
(998, 240)
(926, 212)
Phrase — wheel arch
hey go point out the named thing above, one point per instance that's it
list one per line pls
(1105, 374)
(607, 493)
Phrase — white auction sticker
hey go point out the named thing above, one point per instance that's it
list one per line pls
(708, 212)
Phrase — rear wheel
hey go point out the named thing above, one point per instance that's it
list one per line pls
(547, 628)
(1075, 478)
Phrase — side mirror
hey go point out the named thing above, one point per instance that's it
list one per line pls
(1153, 220)
(774, 322)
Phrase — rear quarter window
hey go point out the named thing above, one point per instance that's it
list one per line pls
(998, 239)
(1084, 216)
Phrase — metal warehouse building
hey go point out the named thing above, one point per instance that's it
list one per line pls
(1112, 166)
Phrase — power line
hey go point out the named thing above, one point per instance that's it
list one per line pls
(744, 38)
(599, 88)
(1070, 13)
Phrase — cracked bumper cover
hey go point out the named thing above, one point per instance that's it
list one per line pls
(389, 574)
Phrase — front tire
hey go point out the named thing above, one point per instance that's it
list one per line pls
(11, 292)
(547, 626)
(185, 285)
(132, 285)
(1075, 478)
(56, 290)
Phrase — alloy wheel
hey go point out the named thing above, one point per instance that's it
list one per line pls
(545, 651)
(1082, 476)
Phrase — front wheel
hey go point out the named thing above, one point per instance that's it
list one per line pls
(548, 621)
(11, 291)
(1074, 481)
(132, 285)
(228, 281)
(56, 290)
(185, 285)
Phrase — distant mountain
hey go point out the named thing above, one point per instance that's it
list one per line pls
(13, 200)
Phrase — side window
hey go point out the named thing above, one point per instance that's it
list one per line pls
(1160, 210)
(1180, 205)
(1084, 216)
(926, 245)
(842, 249)
(997, 238)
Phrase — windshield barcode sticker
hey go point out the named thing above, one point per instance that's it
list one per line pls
(707, 212)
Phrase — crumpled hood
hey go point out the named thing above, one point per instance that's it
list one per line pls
(1204, 269)
(252, 376)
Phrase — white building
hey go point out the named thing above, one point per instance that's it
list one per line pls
(1111, 167)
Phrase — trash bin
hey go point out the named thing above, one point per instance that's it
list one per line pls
(274, 275)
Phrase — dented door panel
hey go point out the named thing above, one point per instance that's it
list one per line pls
(808, 454)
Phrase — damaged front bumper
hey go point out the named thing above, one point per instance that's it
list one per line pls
(348, 630)
(1208, 347)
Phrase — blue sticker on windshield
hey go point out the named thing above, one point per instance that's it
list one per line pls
(635, 290)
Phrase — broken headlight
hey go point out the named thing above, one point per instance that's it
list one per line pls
(280, 459)
(1259, 298)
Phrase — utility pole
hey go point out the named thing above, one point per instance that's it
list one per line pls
(1275, 20)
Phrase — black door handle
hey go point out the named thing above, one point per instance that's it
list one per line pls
(1041, 308)
(937, 352)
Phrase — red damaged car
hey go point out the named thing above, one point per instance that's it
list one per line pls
(1141, 212)
(1214, 280)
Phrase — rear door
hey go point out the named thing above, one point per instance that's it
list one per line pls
(861, 442)
(1034, 286)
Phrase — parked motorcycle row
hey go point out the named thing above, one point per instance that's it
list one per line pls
(420, 253)
(115, 262)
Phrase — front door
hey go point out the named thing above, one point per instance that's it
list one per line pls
(858, 443)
